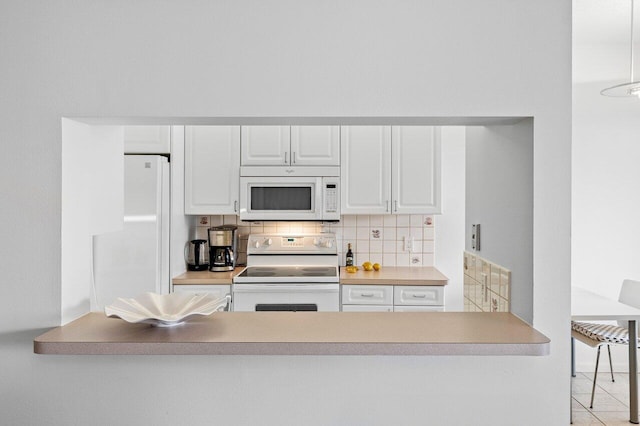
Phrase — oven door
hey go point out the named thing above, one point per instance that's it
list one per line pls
(280, 198)
(286, 297)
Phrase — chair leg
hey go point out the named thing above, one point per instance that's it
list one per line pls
(595, 377)
(610, 363)
(573, 357)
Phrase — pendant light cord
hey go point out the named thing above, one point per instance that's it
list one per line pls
(632, 88)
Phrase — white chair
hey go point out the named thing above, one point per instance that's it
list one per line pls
(597, 335)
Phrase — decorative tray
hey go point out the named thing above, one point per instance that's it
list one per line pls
(165, 310)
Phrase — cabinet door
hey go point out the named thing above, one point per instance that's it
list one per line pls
(211, 169)
(365, 169)
(367, 308)
(147, 139)
(266, 145)
(315, 145)
(416, 169)
(418, 309)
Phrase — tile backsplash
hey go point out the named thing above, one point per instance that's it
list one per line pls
(391, 240)
(487, 286)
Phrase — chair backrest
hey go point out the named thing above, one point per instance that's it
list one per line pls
(630, 295)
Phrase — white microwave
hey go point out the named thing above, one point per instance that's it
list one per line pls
(291, 197)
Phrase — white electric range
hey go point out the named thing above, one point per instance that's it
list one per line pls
(289, 273)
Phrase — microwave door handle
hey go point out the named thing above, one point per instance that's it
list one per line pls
(294, 157)
(285, 157)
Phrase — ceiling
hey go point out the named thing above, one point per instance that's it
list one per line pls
(604, 21)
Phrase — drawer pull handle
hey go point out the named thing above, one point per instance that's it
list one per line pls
(366, 294)
(419, 296)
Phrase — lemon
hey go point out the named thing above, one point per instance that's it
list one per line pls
(351, 269)
(376, 266)
(367, 266)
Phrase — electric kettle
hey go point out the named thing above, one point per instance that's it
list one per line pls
(196, 254)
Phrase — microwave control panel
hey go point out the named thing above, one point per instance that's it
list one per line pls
(331, 198)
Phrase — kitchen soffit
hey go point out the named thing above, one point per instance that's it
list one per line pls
(368, 121)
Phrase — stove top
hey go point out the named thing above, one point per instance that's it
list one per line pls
(289, 271)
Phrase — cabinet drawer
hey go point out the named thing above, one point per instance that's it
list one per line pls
(418, 295)
(367, 308)
(367, 295)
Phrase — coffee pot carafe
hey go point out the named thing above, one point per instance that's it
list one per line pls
(196, 254)
(223, 241)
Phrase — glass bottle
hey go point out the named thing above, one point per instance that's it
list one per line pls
(349, 257)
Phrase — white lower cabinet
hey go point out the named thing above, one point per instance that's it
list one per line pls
(217, 291)
(418, 309)
(367, 308)
(388, 298)
(367, 298)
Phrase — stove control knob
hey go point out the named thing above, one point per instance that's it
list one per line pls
(316, 242)
(268, 242)
(256, 244)
(328, 244)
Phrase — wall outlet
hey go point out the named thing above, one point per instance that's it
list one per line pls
(407, 243)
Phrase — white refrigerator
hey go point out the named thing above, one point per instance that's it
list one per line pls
(135, 260)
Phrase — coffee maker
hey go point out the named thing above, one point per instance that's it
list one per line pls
(223, 241)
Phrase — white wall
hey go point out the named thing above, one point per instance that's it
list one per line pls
(283, 58)
(450, 226)
(606, 179)
(499, 197)
(92, 195)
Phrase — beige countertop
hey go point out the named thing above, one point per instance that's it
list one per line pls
(388, 275)
(206, 277)
(395, 275)
(302, 333)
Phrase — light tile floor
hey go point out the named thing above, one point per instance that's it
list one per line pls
(611, 402)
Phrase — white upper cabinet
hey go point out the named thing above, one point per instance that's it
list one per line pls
(212, 169)
(415, 169)
(266, 145)
(365, 173)
(315, 145)
(389, 169)
(290, 145)
(147, 139)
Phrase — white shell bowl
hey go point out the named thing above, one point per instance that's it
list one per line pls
(165, 310)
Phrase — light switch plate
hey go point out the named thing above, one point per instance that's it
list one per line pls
(475, 236)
